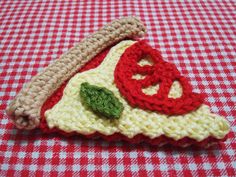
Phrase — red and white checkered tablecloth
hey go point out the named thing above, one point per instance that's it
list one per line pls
(199, 37)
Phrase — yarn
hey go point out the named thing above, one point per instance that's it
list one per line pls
(162, 73)
(63, 112)
(101, 100)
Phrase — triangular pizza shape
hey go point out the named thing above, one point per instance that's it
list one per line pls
(126, 91)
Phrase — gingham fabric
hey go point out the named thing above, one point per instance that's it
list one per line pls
(199, 37)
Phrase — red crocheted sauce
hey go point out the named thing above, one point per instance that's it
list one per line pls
(57, 95)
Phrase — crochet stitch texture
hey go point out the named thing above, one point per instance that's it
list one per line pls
(162, 73)
(159, 106)
(101, 100)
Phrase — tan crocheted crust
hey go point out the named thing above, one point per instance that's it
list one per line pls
(24, 110)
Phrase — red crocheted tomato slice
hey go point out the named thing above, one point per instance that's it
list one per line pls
(162, 73)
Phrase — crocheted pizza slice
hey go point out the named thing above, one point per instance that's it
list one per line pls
(126, 97)
(117, 89)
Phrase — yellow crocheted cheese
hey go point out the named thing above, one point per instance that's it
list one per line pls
(69, 114)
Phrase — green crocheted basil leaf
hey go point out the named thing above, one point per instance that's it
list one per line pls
(101, 100)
